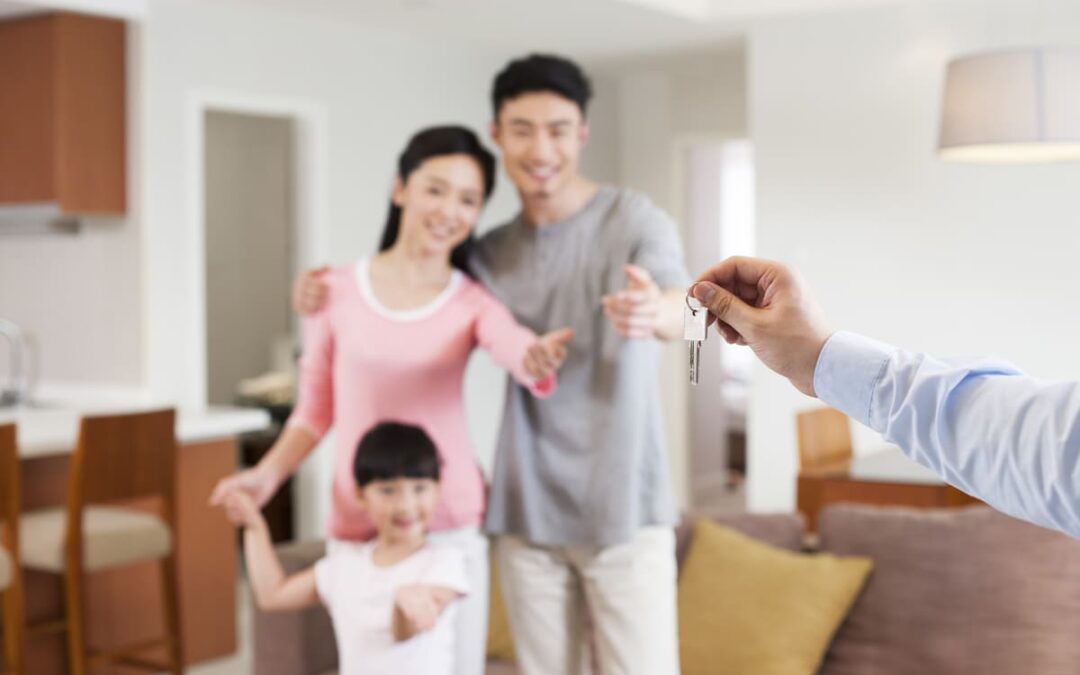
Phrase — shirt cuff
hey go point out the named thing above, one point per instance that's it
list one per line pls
(848, 371)
(544, 388)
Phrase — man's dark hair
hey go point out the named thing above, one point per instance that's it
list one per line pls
(392, 450)
(539, 73)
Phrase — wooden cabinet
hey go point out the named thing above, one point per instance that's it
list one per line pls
(62, 113)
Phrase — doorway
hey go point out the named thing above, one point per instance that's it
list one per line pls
(718, 210)
(249, 174)
(250, 241)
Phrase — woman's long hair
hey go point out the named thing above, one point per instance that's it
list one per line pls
(437, 142)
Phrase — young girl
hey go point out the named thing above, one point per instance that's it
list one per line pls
(393, 599)
(392, 342)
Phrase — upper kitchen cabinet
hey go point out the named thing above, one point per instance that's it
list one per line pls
(62, 113)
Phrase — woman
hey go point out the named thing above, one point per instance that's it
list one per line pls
(392, 343)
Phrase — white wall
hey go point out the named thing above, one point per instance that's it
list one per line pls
(77, 297)
(955, 259)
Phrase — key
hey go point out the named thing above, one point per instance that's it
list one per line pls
(694, 332)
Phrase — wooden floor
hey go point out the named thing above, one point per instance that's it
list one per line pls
(242, 662)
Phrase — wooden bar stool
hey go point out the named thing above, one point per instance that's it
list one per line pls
(118, 458)
(824, 439)
(10, 575)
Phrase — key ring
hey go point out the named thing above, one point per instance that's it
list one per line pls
(697, 302)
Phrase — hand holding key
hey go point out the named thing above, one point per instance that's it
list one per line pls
(765, 305)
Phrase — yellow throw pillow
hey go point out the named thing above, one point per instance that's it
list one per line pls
(747, 607)
(500, 642)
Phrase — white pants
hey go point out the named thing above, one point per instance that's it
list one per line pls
(470, 631)
(472, 616)
(627, 592)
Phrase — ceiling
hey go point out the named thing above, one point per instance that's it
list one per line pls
(726, 10)
(583, 28)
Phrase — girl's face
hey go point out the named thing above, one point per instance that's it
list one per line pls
(440, 202)
(401, 509)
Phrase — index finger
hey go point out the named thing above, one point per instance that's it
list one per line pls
(738, 270)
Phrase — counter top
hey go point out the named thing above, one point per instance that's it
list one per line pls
(49, 431)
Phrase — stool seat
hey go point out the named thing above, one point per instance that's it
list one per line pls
(5, 569)
(112, 537)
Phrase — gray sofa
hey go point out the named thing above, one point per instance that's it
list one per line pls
(953, 591)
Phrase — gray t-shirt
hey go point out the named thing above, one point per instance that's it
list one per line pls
(586, 466)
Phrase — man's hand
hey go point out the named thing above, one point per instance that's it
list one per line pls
(309, 291)
(638, 311)
(548, 353)
(765, 305)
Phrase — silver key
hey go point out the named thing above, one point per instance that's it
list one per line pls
(694, 332)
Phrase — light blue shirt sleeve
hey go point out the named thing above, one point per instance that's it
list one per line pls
(1008, 439)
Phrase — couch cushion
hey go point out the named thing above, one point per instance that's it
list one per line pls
(500, 640)
(298, 555)
(300, 642)
(782, 530)
(955, 591)
(112, 537)
(747, 607)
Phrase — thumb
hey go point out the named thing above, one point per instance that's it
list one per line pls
(725, 306)
(638, 277)
(562, 336)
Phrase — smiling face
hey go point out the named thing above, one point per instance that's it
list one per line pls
(401, 508)
(541, 135)
(440, 203)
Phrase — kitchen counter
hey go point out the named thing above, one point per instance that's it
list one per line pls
(54, 430)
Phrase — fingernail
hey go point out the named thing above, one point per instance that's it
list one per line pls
(704, 293)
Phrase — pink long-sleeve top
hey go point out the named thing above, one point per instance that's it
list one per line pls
(363, 364)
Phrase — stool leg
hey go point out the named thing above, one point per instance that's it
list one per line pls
(13, 627)
(73, 606)
(171, 609)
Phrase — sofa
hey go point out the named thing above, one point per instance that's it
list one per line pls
(952, 591)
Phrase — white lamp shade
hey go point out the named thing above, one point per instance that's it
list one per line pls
(1016, 106)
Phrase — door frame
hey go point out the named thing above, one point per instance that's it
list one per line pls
(309, 202)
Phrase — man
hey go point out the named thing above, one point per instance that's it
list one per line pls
(581, 502)
(1008, 439)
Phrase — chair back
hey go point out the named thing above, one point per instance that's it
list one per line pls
(10, 498)
(824, 438)
(9, 487)
(124, 457)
